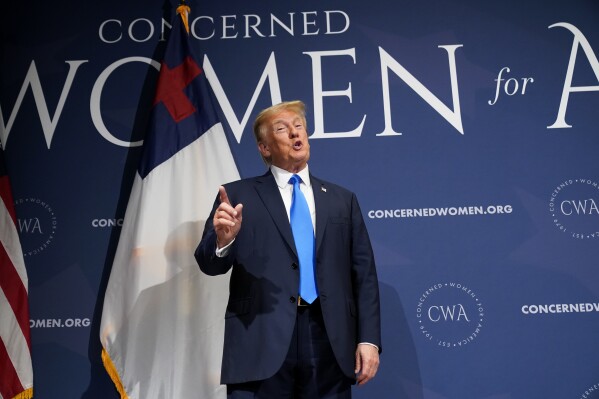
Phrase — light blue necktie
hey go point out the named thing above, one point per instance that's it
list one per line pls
(303, 235)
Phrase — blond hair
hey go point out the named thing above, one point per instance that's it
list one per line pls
(261, 122)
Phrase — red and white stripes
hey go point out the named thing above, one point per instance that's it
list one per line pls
(15, 344)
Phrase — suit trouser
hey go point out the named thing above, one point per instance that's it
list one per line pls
(310, 370)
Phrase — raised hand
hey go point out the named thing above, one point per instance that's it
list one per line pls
(227, 219)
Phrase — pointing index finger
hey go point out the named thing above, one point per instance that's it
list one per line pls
(223, 195)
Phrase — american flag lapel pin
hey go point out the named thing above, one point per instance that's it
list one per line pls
(323, 189)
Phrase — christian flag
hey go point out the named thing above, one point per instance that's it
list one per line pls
(163, 321)
(16, 373)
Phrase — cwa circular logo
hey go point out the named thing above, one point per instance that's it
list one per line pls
(574, 207)
(450, 315)
(591, 392)
(36, 223)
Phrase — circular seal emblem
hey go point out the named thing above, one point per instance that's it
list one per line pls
(36, 223)
(450, 315)
(591, 392)
(574, 207)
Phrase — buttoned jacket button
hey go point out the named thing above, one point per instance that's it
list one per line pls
(292, 299)
(294, 265)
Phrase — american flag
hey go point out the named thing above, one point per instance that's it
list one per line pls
(15, 345)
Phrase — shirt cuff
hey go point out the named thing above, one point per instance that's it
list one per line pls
(368, 343)
(224, 251)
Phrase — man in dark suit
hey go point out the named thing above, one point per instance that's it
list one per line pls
(279, 344)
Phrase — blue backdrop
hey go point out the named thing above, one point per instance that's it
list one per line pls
(468, 129)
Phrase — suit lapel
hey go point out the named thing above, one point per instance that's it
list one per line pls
(268, 191)
(321, 203)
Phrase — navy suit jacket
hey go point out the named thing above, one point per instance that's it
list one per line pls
(261, 311)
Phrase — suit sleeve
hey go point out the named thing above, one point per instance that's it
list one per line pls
(364, 280)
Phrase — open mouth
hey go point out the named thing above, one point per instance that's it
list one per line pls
(297, 145)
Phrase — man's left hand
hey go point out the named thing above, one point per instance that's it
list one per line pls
(367, 363)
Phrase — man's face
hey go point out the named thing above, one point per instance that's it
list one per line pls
(285, 142)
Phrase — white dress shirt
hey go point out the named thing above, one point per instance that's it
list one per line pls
(286, 189)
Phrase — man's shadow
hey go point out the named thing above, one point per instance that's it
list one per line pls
(398, 376)
(184, 314)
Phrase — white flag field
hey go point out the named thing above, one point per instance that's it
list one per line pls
(163, 320)
(162, 324)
